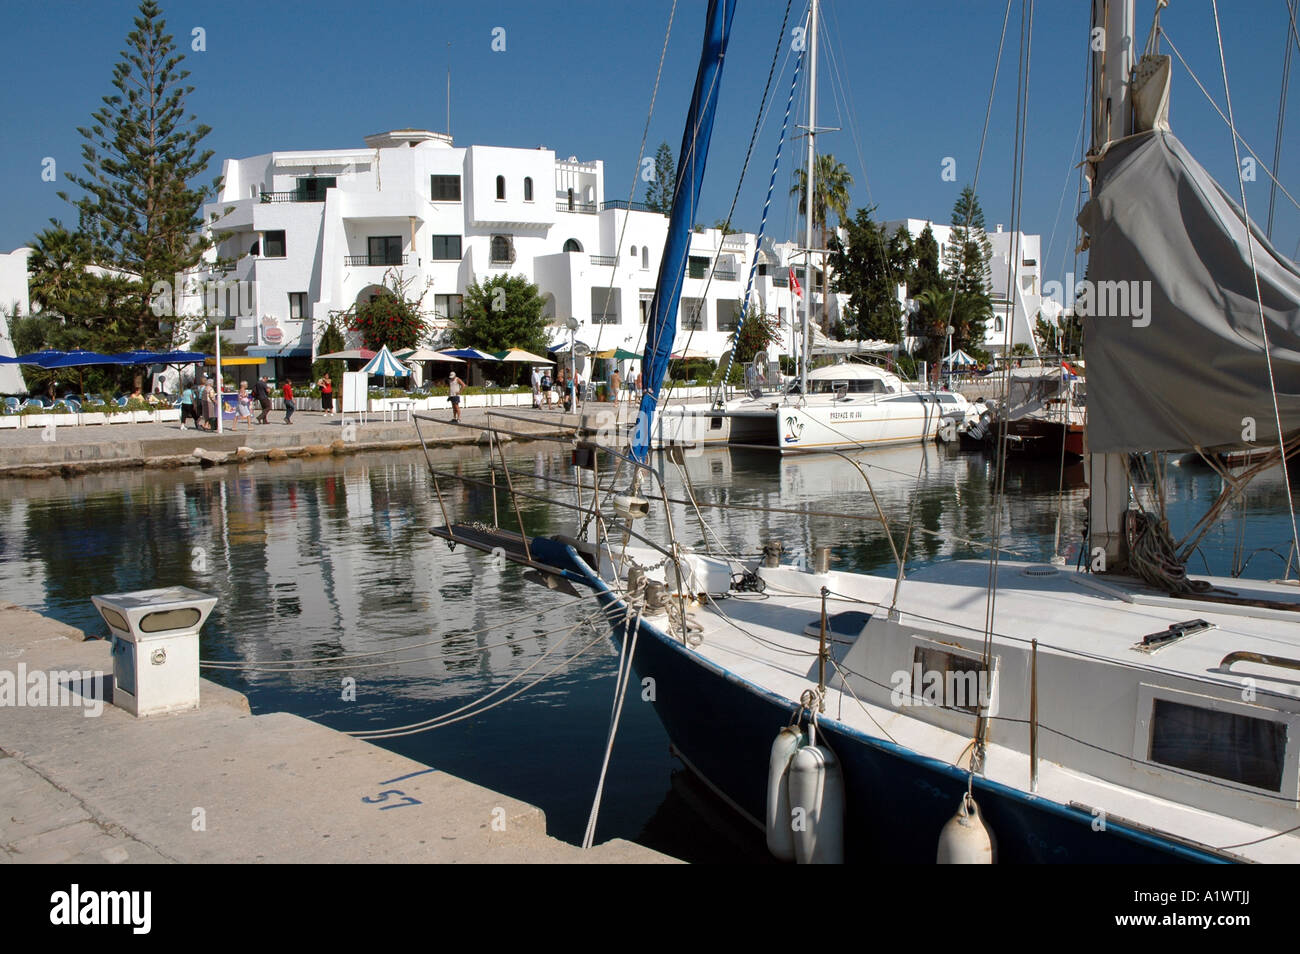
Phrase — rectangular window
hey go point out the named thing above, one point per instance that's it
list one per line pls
(693, 314)
(950, 680)
(728, 314)
(298, 305)
(448, 306)
(1226, 745)
(698, 266)
(385, 249)
(604, 306)
(647, 297)
(312, 188)
(446, 248)
(444, 188)
(273, 246)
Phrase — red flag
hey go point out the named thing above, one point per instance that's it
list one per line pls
(794, 284)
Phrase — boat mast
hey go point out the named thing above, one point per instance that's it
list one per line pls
(809, 188)
(1112, 118)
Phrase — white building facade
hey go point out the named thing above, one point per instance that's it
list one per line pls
(311, 234)
(1020, 307)
(14, 303)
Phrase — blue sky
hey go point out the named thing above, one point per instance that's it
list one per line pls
(907, 82)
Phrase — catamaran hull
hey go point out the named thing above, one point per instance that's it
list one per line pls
(897, 800)
(795, 429)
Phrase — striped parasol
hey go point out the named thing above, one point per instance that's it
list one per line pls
(386, 365)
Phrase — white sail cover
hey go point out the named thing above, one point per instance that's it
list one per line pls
(1182, 364)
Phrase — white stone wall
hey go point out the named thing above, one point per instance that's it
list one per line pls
(13, 301)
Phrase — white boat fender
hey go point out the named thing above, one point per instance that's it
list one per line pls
(780, 834)
(966, 839)
(817, 806)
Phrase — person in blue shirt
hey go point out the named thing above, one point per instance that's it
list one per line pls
(187, 404)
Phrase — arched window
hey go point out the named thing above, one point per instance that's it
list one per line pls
(634, 251)
(501, 249)
(572, 246)
(645, 256)
(501, 187)
(528, 188)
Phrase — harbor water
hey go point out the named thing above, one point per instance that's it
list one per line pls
(312, 560)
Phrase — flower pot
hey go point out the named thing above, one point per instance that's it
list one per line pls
(92, 417)
(121, 417)
(143, 417)
(167, 414)
(62, 420)
(10, 420)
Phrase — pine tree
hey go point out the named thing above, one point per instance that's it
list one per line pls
(868, 268)
(966, 260)
(925, 270)
(659, 193)
(138, 211)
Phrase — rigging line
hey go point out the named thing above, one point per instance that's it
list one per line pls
(452, 654)
(1013, 260)
(620, 694)
(735, 198)
(235, 664)
(514, 695)
(645, 133)
(961, 271)
(1236, 135)
(447, 717)
(1259, 300)
(767, 202)
(1281, 115)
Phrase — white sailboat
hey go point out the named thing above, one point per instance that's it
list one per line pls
(1117, 713)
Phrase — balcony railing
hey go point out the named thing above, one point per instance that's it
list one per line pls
(779, 281)
(626, 206)
(368, 260)
(604, 259)
(587, 207)
(725, 274)
(295, 195)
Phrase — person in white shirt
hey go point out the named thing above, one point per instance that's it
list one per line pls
(537, 387)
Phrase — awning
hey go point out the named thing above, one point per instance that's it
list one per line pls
(286, 351)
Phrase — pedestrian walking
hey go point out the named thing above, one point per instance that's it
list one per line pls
(453, 393)
(210, 409)
(546, 388)
(244, 406)
(187, 405)
(262, 394)
(537, 387)
(615, 382)
(327, 394)
(287, 391)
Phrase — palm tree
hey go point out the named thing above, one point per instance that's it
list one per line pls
(830, 195)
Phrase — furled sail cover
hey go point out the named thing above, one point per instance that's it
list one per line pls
(1171, 324)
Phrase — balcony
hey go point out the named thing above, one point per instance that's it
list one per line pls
(296, 195)
(627, 206)
(371, 260)
(604, 259)
(586, 207)
(779, 281)
(725, 274)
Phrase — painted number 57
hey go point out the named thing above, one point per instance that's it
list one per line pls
(383, 797)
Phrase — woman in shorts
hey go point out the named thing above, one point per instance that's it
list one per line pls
(244, 406)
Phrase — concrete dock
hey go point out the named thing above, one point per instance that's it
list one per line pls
(220, 785)
(29, 452)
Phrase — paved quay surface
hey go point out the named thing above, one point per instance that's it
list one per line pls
(220, 785)
(25, 452)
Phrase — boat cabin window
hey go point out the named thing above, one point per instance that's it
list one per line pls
(1227, 745)
(950, 680)
(855, 386)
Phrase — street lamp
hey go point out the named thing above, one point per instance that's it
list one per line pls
(573, 324)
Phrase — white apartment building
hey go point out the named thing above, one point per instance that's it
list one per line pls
(314, 233)
(1021, 307)
(13, 303)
